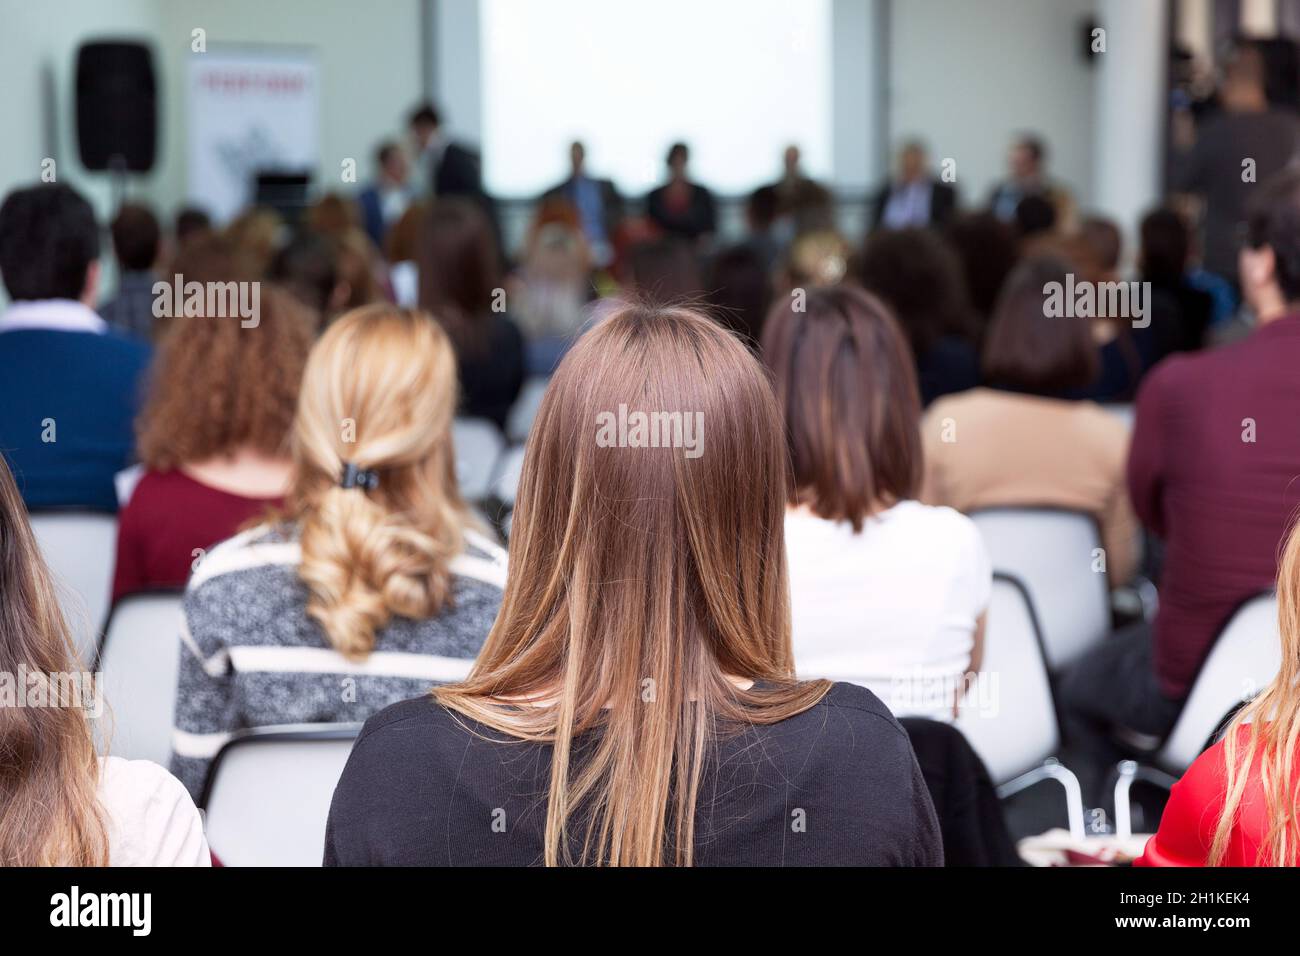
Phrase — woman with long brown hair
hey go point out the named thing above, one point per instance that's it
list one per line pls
(1238, 804)
(372, 584)
(61, 804)
(461, 283)
(635, 702)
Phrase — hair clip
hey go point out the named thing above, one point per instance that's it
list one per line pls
(354, 477)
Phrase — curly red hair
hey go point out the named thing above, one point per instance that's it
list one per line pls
(217, 385)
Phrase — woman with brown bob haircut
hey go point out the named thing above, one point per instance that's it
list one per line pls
(886, 592)
(635, 702)
(213, 433)
(1019, 441)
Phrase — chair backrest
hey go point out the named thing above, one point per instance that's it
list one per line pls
(79, 547)
(522, 413)
(1124, 411)
(1009, 716)
(269, 791)
(1051, 552)
(478, 444)
(506, 485)
(139, 663)
(1244, 660)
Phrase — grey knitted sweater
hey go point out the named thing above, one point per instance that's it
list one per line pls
(251, 657)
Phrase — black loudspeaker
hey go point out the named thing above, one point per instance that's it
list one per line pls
(117, 106)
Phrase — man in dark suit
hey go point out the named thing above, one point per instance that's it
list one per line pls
(449, 168)
(599, 205)
(915, 198)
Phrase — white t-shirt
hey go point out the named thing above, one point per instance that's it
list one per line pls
(151, 819)
(892, 608)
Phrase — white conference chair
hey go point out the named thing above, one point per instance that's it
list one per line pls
(478, 444)
(1052, 552)
(138, 665)
(1124, 411)
(520, 419)
(124, 483)
(80, 547)
(1244, 660)
(509, 470)
(1009, 716)
(268, 794)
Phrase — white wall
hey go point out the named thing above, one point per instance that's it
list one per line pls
(369, 61)
(967, 76)
(370, 72)
(38, 48)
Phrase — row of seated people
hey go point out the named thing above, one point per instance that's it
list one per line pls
(635, 654)
(1268, 285)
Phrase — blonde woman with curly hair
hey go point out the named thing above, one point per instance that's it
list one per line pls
(372, 585)
(61, 803)
(1238, 804)
(214, 433)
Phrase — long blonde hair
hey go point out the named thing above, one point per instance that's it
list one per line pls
(640, 581)
(379, 393)
(1265, 735)
(49, 769)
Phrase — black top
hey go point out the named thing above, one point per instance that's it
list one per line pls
(492, 376)
(697, 218)
(835, 785)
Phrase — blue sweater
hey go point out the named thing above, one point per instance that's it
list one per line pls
(82, 390)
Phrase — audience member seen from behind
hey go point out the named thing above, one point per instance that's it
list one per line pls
(636, 702)
(69, 385)
(552, 287)
(213, 436)
(1017, 441)
(1176, 305)
(1209, 162)
(1212, 472)
(919, 277)
(373, 579)
(886, 592)
(1235, 805)
(740, 290)
(987, 250)
(461, 283)
(1124, 351)
(308, 269)
(62, 804)
(137, 244)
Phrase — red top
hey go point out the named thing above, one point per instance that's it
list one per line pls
(169, 516)
(1212, 470)
(1192, 815)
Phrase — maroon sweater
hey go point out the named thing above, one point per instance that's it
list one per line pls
(1221, 502)
(168, 517)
